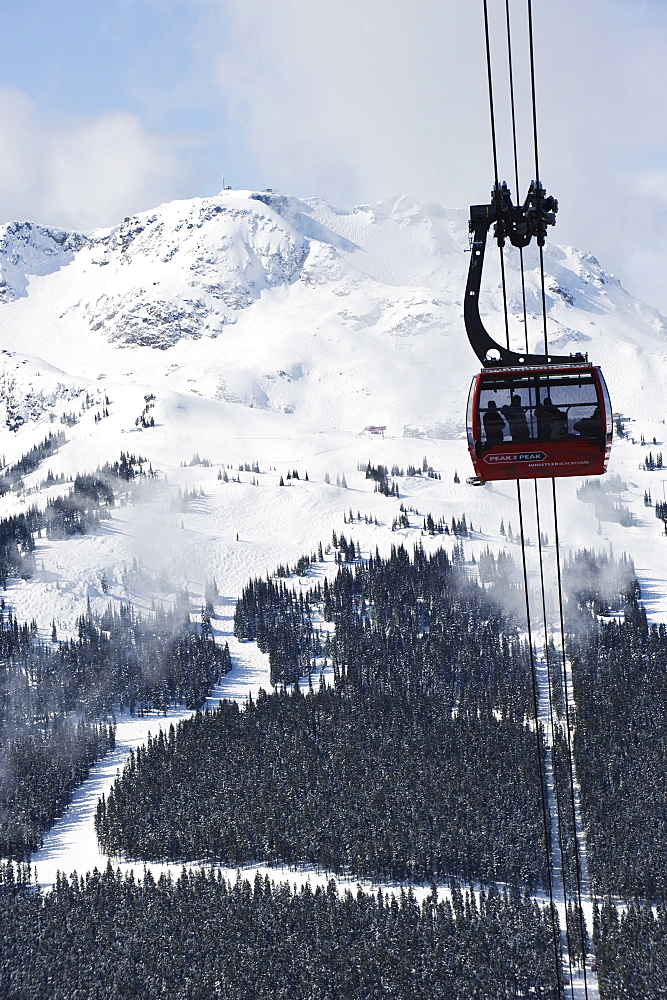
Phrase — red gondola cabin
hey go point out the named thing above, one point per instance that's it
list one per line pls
(539, 422)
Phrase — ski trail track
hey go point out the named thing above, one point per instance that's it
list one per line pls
(581, 983)
(71, 844)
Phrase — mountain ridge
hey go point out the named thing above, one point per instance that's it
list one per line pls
(267, 301)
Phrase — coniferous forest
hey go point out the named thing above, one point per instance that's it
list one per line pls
(105, 937)
(375, 787)
(631, 951)
(620, 677)
(74, 513)
(377, 775)
(423, 731)
(423, 735)
(619, 669)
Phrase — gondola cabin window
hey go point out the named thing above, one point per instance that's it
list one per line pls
(551, 408)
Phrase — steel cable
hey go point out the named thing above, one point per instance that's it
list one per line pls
(568, 729)
(559, 823)
(542, 777)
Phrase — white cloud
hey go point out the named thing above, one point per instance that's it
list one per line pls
(358, 99)
(652, 184)
(81, 173)
(363, 98)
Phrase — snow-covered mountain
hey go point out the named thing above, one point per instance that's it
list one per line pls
(342, 319)
(257, 328)
(254, 326)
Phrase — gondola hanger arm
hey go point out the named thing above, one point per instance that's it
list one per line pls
(519, 224)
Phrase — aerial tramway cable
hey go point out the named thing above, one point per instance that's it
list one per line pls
(559, 824)
(568, 726)
(531, 654)
(540, 762)
(568, 731)
(537, 164)
(510, 70)
(556, 783)
(494, 148)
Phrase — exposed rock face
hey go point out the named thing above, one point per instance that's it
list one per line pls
(26, 248)
(188, 274)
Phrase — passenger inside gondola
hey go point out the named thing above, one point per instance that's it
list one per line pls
(494, 425)
(515, 415)
(590, 427)
(551, 422)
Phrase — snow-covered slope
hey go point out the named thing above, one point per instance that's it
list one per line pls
(27, 249)
(254, 326)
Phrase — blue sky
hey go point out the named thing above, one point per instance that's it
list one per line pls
(79, 59)
(107, 108)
